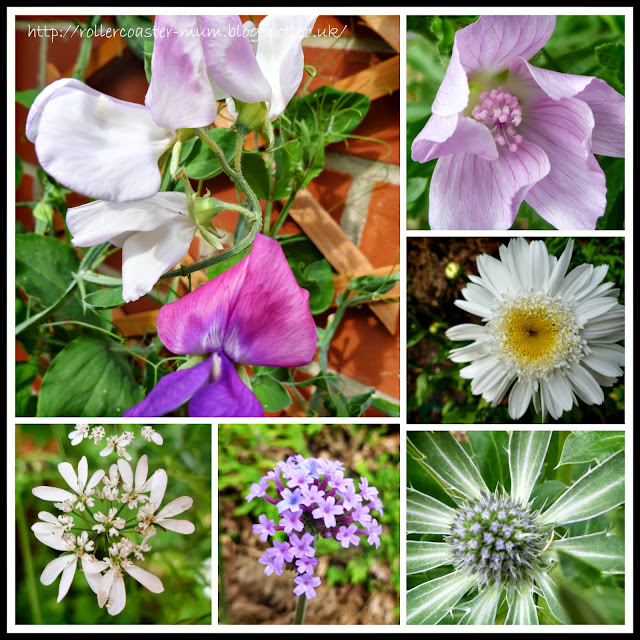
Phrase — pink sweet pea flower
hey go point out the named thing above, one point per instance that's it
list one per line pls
(530, 136)
(253, 313)
(109, 149)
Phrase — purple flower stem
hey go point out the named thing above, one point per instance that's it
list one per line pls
(324, 483)
(270, 499)
(279, 484)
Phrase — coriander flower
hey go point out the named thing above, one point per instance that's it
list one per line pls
(527, 135)
(499, 548)
(547, 336)
(309, 513)
(79, 434)
(253, 313)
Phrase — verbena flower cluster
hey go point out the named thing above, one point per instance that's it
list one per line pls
(317, 501)
(119, 442)
(106, 523)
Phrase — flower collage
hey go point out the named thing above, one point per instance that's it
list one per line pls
(262, 263)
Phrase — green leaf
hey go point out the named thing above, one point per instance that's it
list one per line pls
(586, 446)
(25, 375)
(604, 551)
(255, 172)
(545, 493)
(550, 594)
(441, 453)
(597, 491)
(482, 609)
(88, 378)
(429, 602)
(26, 98)
(427, 515)
(99, 278)
(522, 608)
(109, 298)
(527, 450)
(317, 279)
(423, 556)
(147, 52)
(271, 394)
(489, 450)
(415, 188)
(610, 56)
(18, 171)
(136, 31)
(197, 159)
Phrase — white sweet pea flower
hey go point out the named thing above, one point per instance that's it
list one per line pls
(154, 235)
(83, 490)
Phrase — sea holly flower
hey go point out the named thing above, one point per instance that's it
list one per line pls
(548, 335)
(499, 547)
(529, 136)
(337, 516)
(253, 313)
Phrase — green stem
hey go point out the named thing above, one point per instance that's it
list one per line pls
(302, 605)
(27, 561)
(84, 324)
(283, 214)
(237, 163)
(85, 50)
(59, 436)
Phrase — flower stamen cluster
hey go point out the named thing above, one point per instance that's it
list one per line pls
(501, 112)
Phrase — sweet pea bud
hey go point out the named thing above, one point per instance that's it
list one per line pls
(254, 117)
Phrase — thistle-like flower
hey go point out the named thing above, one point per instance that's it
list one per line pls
(498, 546)
(548, 336)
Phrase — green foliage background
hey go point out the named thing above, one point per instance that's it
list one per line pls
(245, 454)
(582, 45)
(591, 597)
(175, 558)
(441, 395)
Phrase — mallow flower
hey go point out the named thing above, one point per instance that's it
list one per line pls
(253, 313)
(548, 336)
(500, 544)
(530, 136)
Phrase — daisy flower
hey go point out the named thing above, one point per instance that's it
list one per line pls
(546, 336)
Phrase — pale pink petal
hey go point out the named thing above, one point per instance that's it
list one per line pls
(573, 194)
(55, 568)
(492, 43)
(97, 145)
(146, 579)
(126, 473)
(117, 597)
(453, 93)
(468, 192)
(147, 255)
(469, 137)
(100, 221)
(180, 92)
(175, 507)
(142, 469)
(231, 61)
(280, 57)
(606, 104)
(158, 487)
(104, 587)
(179, 526)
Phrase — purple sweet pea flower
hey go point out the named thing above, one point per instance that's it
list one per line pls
(306, 584)
(253, 313)
(109, 149)
(265, 528)
(531, 136)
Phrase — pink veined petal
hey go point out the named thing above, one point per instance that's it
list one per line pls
(146, 579)
(158, 487)
(573, 194)
(142, 469)
(146, 255)
(180, 93)
(172, 390)
(175, 507)
(67, 578)
(68, 473)
(255, 310)
(227, 396)
(468, 192)
(126, 472)
(117, 597)
(280, 57)
(101, 221)
(453, 93)
(53, 494)
(492, 43)
(179, 526)
(55, 568)
(469, 137)
(231, 61)
(606, 104)
(97, 145)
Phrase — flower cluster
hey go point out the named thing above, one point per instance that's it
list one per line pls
(548, 335)
(119, 442)
(106, 549)
(317, 501)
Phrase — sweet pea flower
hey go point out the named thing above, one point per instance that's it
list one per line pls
(109, 149)
(530, 136)
(267, 68)
(253, 313)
